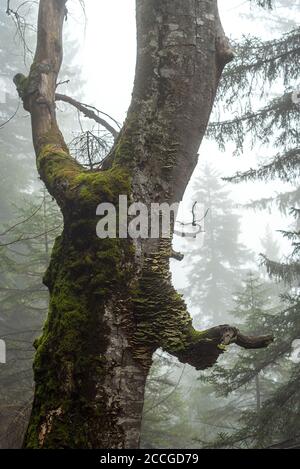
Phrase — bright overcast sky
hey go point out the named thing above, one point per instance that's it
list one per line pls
(109, 46)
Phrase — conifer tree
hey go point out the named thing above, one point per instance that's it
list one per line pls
(15, 137)
(271, 64)
(214, 268)
(166, 420)
(24, 254)
(251, 378)
(277, 417)
(261, 87)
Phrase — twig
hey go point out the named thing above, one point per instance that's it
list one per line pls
(168, 396)
(21, 222)
(10, 118)
(88, 111)
(21, 239)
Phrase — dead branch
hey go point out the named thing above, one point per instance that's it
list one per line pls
(87, 111)
(204, 352)
(21, 23)
(22, 221)
(11, 117)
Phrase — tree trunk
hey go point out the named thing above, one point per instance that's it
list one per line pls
(112, 303)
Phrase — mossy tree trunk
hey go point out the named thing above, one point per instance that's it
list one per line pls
(112, 303)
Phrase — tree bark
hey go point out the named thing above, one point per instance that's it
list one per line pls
(112, 303)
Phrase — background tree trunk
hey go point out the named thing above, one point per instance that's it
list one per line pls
(112, 303)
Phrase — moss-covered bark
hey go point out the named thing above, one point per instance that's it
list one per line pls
(111, 300)
(72, 407)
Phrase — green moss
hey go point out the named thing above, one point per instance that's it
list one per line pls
(83, 272)
(194, 335)
(106, 186)
(55, 165)
(68, 182)
(70, 357)
(21, 82)
(222, 347)
(84, 275)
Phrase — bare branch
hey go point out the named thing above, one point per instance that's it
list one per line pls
(64, 82)
(11, 117)
(87, 111)
(21, 23)
(22, 221)
(38, 95)
(29, 238)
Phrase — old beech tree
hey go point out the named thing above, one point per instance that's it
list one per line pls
(112, 303)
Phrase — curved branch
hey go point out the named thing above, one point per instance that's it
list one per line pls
(22, 221)
(87, 112)
(11, 117)
(55, 165)
(205, 347)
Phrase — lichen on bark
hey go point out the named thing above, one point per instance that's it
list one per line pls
(112, 303)
(163, 321)
(160, 312)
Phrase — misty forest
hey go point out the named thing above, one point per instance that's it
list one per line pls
(187, 339)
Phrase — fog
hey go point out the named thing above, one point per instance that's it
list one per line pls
(104, 34)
